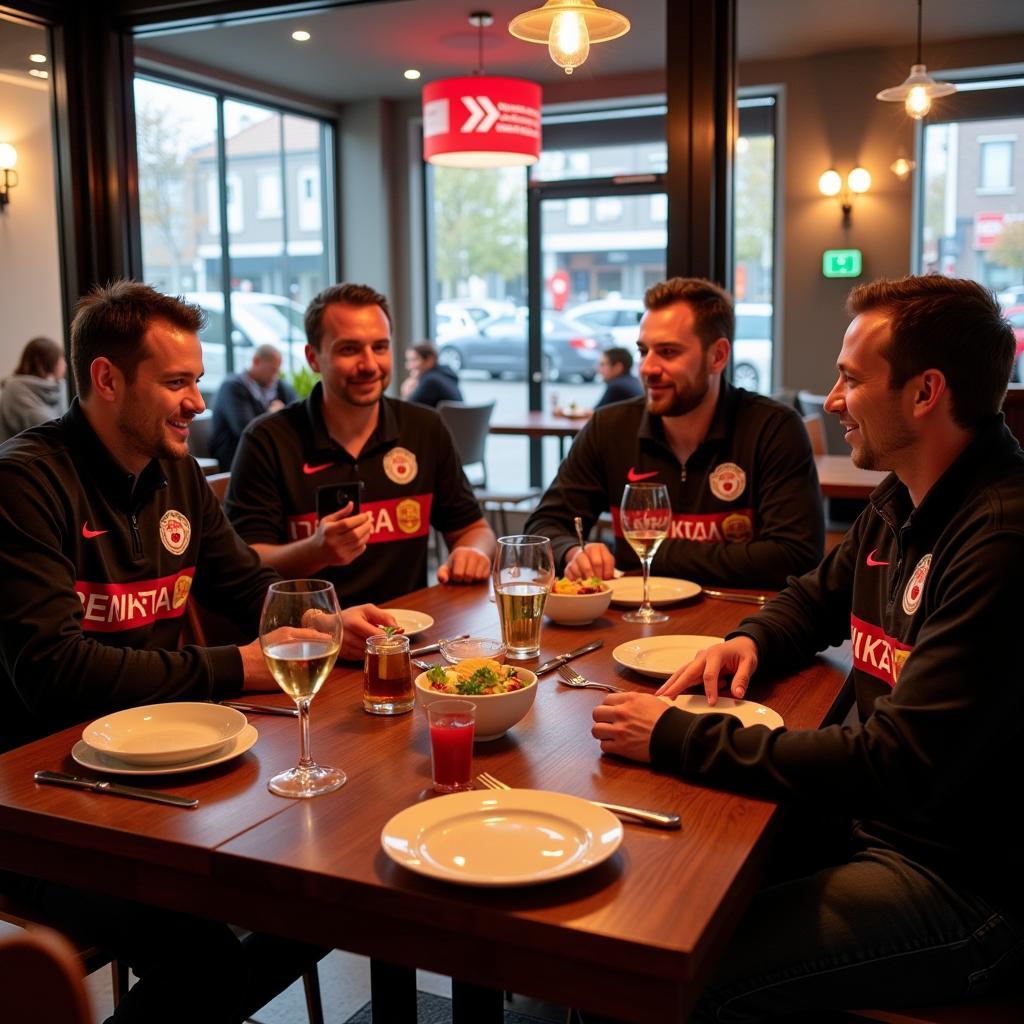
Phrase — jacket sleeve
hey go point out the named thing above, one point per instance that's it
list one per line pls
(60, 673)
(927, 747)
(788, 519)
(579, 489)
(253, 503)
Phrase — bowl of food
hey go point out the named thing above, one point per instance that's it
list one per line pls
(577, 602)
(466, 647)
(503, 694)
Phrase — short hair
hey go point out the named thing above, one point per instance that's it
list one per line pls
(950, 324)
(619, 357)
(713, 315)
(351, 295)
(39, 358)
(426, 350)
(111, 320)
(267, 351)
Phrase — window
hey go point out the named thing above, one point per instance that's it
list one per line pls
(268, 195)
(578, 212)
(309, 199)
(996, 164)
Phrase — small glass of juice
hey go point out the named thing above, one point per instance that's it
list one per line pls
(451, 744)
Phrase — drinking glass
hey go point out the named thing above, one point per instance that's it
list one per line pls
(646, 518)
(300, 633)
(387, 675)
(451, 744)
(524, 571)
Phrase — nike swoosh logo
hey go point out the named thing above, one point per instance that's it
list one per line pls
(634, 477)
(90, 534)
(871, 559)
(310, 470)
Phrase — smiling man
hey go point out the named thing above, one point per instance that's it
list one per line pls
(738, 467)
(295, 471)
(919, 896)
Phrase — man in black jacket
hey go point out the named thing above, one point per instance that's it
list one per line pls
(922, 899)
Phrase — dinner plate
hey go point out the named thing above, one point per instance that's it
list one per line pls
(664, 590)
(747, 711)
(162, 734)
(507, 837)
(87, 757)
(412, 622)
(660, 656)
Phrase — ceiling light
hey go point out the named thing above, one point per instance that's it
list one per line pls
(38, 73)
(37, 58)
(411, 73)
(568, 27)
(300, 35)
(919, 89)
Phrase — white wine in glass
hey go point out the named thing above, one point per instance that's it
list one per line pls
(646, 516)
(523, 573)
(300, 633)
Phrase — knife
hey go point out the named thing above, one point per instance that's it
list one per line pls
(113, 788)
(568, 656)
(260, 709)
(436, 646)
(659, 819)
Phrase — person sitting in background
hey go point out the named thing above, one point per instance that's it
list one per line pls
(35, 392)
(427, 382)
(738, 467)
(244, 396)
(615, 368)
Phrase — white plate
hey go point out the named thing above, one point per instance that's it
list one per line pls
(660, 656)
(664, 590)
(412, 622)
(747, 711)
(507, 837)
(89, 758)
(162, 734)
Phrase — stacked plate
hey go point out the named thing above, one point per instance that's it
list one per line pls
(164, 739)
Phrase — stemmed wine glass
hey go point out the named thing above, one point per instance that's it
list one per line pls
(300, 633)
(646, 518)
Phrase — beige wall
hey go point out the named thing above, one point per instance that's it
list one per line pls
(831, 118)
(30, 294)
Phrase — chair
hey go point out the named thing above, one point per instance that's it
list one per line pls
(199, 433)
(219, 484)
(41, 979)
(815, 428)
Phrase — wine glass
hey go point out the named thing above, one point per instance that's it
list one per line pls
(646, 517)
(300, 634)
(524, 571)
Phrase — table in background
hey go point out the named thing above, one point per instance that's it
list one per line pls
(536, 426)
(840, 478)
(636, 937)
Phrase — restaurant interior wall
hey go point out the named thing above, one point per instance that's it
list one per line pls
(30, 294)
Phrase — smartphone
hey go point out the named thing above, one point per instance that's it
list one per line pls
(332, 497)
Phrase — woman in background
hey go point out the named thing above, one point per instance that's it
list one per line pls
(34, 393)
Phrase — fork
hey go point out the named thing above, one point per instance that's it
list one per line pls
(656, 818)
(570, 677)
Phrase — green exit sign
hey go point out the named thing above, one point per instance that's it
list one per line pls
(841, 263)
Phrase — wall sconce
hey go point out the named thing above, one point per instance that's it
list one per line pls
(831, 184)
(568, 27)
(902, 167)
(9, 177)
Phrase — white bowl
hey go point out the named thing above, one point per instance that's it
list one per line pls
(164, 733)
(577, 609)
(496, 713)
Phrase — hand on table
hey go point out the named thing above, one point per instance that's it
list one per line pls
(342, 537)
(624, 723)
(361, 621)
(735, 660)
(593, 560)
(464, 565)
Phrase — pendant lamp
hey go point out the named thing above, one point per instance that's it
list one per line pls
(919, 89)
(568, 27)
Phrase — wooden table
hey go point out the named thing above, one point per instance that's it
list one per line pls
(840, 478)
(536, 426)
(634, 938)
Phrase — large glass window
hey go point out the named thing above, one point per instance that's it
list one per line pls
(198, 151)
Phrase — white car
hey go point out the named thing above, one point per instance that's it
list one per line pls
(619, 317)
(451, 320)
(752, 347)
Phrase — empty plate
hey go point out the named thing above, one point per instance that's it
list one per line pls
(663, 590)
(660, 656)
(747, 711)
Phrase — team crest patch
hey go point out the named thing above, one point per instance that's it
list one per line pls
(915, 587)
(400, 466)
(737, 528)
(175, 531)
(407, 515)
(182, 585)
(728, 481)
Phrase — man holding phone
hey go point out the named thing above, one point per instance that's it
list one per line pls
(315, 485)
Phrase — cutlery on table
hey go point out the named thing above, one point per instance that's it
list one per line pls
(725, 595)
(424, 665)
(656, 818)
(260, 709)
(578, 523)
(113, 788)
(436, 646)
(553, 663)
(570, 677)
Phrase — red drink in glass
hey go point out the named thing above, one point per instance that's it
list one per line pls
(451, 744)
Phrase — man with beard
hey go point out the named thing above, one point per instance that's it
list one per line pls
(107, 530)
(738, 467)
(298, 473)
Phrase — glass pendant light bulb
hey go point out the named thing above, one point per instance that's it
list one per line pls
(569, 40)
(918, 102)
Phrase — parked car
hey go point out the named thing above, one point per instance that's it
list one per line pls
(1015, 314)
(619, 316)
(570, 349)
(752, 347)
(451, 321)
(481, 310)
(257, 318)
(1013, 296)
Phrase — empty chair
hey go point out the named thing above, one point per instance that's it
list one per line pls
(809, 403)
(199, 433)
(815, 427)
(468, 425)
(41, 979)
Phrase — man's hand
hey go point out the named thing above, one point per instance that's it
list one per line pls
(624, 723)
(255, 674)
(464, 565)
(593, 560)
(276, 405)
(340, 537)
(361, 621)
(736, 659)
